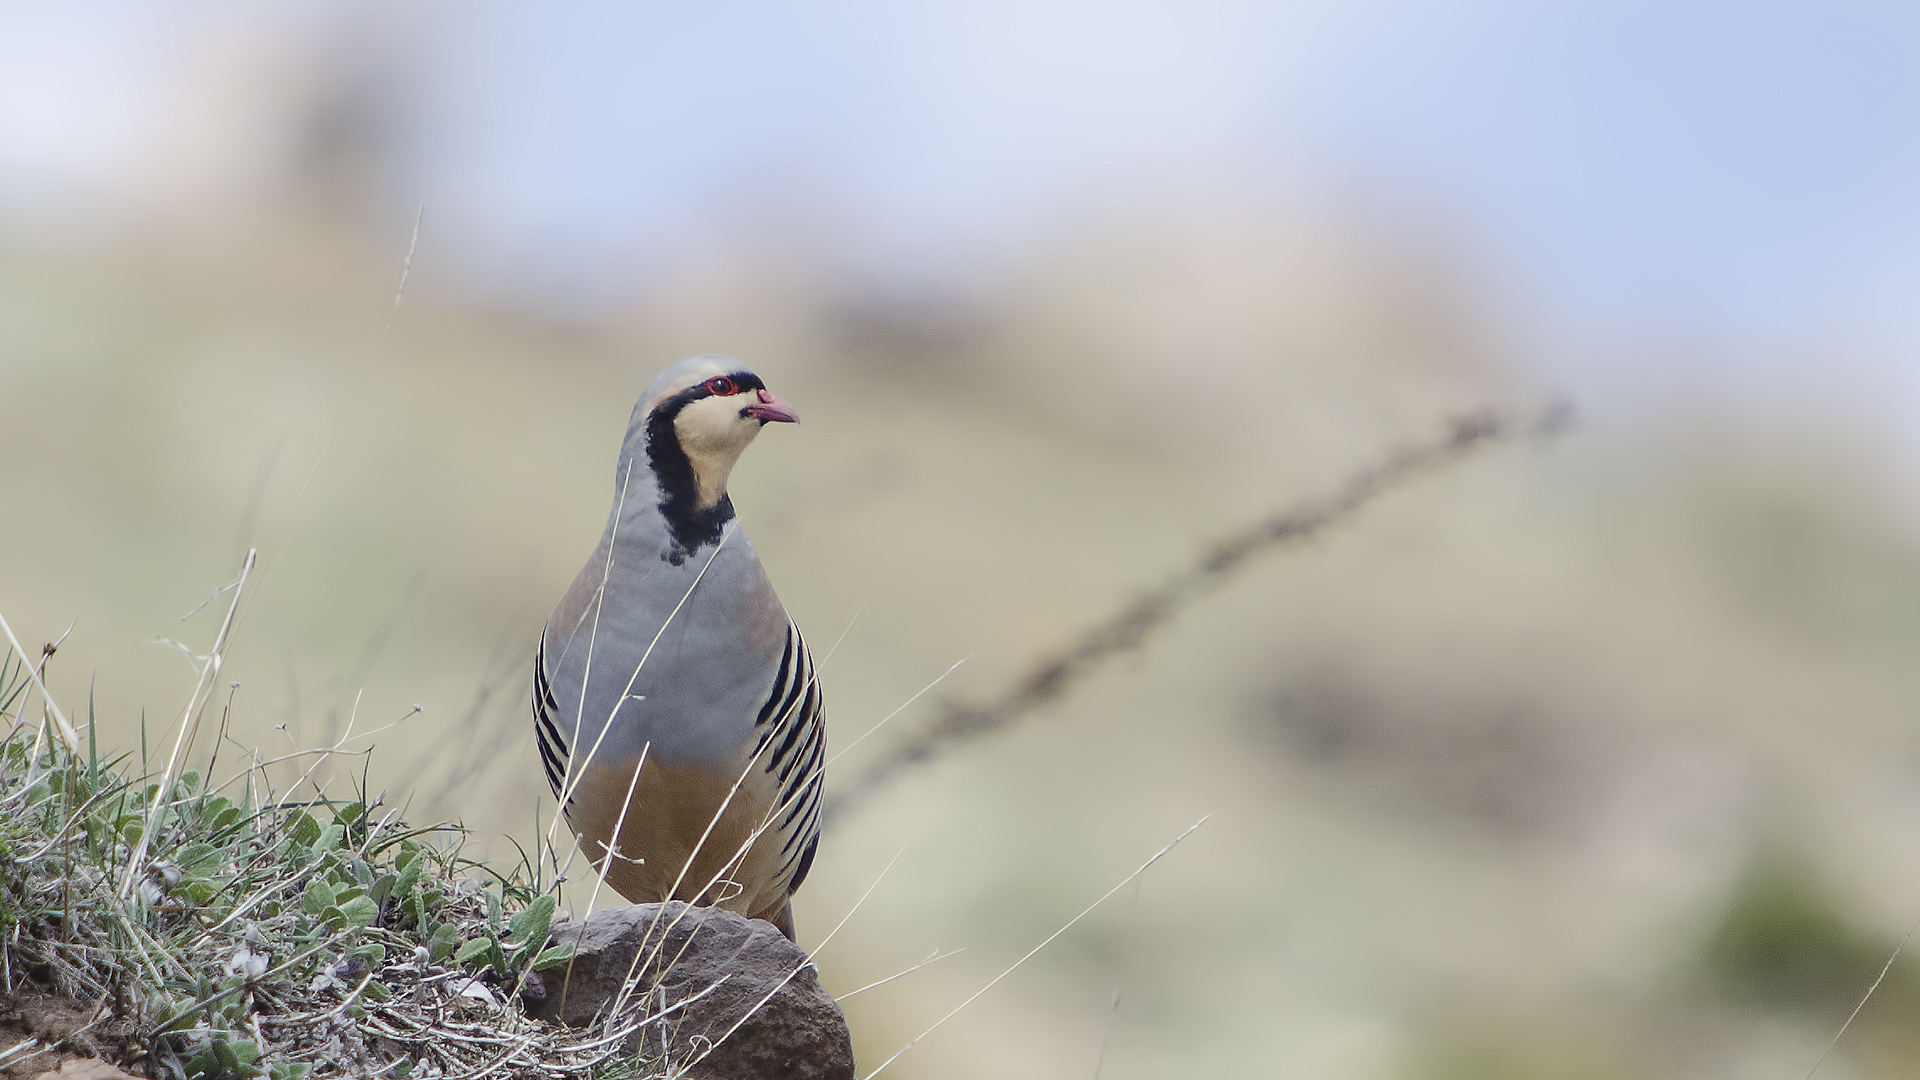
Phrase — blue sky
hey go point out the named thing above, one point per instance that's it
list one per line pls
(1746, 172)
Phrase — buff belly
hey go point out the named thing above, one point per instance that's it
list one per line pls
(660, 854)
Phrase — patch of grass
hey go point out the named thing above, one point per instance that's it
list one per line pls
(262, 936)
(1785, 944)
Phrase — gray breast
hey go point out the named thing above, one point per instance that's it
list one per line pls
(680, 658)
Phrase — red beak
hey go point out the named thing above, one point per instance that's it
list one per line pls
(770, 409)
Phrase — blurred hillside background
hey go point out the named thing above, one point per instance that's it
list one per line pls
(1599, 759)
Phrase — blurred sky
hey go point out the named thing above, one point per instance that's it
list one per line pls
(1743, 174)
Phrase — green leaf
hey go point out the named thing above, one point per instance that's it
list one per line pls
(304, 829)
(199, 860)
(318, 897)
(474, 948)
(220, 813)
(330, 838)
(360, 911)
(376, 992)
(409, 875)
(440, 941)
(531, 926)
(553, 957)
(373, 952)
(383, 888)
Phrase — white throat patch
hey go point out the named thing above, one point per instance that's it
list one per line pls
(714, 434)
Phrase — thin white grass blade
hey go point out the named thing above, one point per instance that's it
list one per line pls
(264, 763)
(1157, 856)
(600, 876)
(631, 679)
(353, 715)
(647, 950)
(17, 1049)
(39, 738)
(211, 597)
(189, 726)
(408, 715)
(1864, 998)
(619, 822)
(59, 641)
(857, 612)
(884, 871)
(571, 779)
(406, 266)
(896, 712)
(338, 747)
(749, 1014)
(67, 734)
(766, 822)
(932, 958)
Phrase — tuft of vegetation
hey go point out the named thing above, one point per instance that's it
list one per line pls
(216, 931)
(1786, 944)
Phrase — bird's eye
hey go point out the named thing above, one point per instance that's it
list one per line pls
(722, 387)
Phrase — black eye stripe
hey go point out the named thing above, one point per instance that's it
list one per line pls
(742, 384)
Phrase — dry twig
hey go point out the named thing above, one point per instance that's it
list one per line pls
(1128, 628)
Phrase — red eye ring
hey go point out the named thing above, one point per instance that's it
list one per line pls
(722, 387)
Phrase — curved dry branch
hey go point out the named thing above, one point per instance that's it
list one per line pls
(1127, 629)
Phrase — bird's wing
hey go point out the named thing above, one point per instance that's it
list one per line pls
(792, 751)
(553, 744)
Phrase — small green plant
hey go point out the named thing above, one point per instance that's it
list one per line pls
(262, 936)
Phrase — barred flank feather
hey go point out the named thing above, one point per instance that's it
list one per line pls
(793, 722)
(553, 746)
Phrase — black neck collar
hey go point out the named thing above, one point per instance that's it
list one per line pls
(689, 525)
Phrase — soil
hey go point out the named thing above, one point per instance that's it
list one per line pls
(56, 1022)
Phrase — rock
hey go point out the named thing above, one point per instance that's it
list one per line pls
(739, 1001)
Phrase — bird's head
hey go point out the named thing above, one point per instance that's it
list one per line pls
(705, 409)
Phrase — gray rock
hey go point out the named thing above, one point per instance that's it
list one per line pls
(740, 1001)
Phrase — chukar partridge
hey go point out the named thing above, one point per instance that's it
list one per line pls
(677, 711)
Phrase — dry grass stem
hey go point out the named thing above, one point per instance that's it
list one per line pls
(1128, 629)
(1015, 966)
(932, 958)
